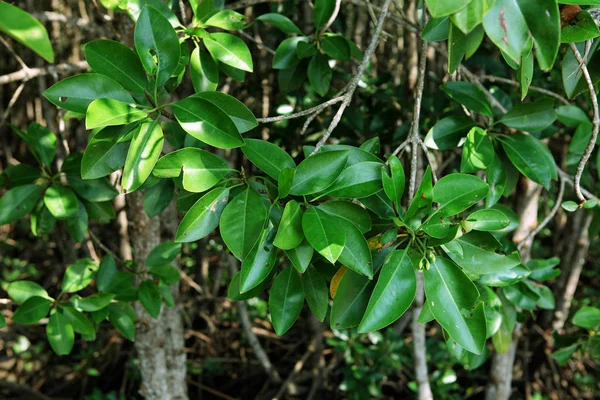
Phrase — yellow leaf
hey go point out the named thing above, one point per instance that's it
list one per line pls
(335, 282)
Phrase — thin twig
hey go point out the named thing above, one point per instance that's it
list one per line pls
(302, 113)
(596, 124)
(356, 78)
(297, 368)
(27, 74)
(548, 218)
(567, 178)
(103, 246)
(11, 103)
(259, 43)
(494, 79)
(334, 15)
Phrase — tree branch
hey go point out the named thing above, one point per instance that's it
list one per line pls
(494, 79)
(27, 74)
(596, 124)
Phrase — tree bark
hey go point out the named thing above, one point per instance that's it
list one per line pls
(159, 342)
(419, 348)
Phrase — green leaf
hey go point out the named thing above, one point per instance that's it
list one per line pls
(319, 74)
(503, 336)
(447, 132)
(301, 255)
(286, 54)
(118, 62)
(41, 141)
(323, 233)
(203, 217)
(285, 182)
(77, 92)
(457, 47)
(106, 151)
(542, 270)
(451, 295)
(228, 20)
(478, 151)
(289, 233)
(150, 297)
(21, 291)
(436, 29)
(530, 157)
(242, 222)
(207, 122)
(572, 116)
(233, 291)
(106, 272)
(201, 169)
(79, 322)
(421, 203)
(479, 256)
(17, 202)
(164, 253)
(487, 220)
(79, 275)
(521, 296)
(468, 95)
(60, 334)
(143, 154)
(582, 28)
(562, 356)
(94, 302)
(2, 321)
(42, 220)
(350, 212)
(357, 181)
(282, 22)
(393, 294)
(457, 192)
(587, 317)
(495, 176)
(315, 292)
(158, 197)
(122, 316)
(351, 300)
(230, 50)
(105, 112)
(471, 15)
(259, 263)
(393, 183)
(25, 29)
(61, 201)
(241, 116)
(18, 175)
(569, 206)
(285, 300)
(268, 157)
(336, 46)
(355, 254)
(531, 117)
(122, 286)
(322, 11)
(440, 8)
(204, 71)
(571, 72)
(318, 172)
(168, 274)
(32, 310)
(157, 44)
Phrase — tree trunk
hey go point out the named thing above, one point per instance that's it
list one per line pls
(159, 342)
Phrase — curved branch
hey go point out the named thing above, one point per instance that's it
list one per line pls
(493, 79)
(302, 113)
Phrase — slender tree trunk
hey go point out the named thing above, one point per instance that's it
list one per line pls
(499, 386)
(159, 342)
(419, 348)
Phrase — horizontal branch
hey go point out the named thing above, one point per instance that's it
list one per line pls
(302, 113)
(496, 79)
(27, 74)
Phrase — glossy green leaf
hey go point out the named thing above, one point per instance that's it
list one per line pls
(118, 62)
(440, 8)
(201, 169)
(315, 292)
(521, 296)
(168, 274)
(351, 300)
(571, 115)
(282, 22)
(106, 151)
(478, 151)
(106, 112)
(286, 54)
(393, 294)
(436, 29)
(241, 116)
(336, 46)
(21, 291)
(471, 15)
(357, 181)
(78, 226)
(227, 19)
(319, 74)
(60, 334)
(233, 291)
(569, 206)
(17, 202)
(530, 157)
(495, 176)
(242, 222)
(562, 356)
(457, 192)
(356, 254)
(289, 233)
(164, 253)
(77, 92)
(318, 172)
(285, 300)
(531, 117)
(301, 255)
(468, 95)
(207, 122)
(542, 270)
(451, 295)
(457, 47)
(150, 297)
(204, 71)
(18, 175)
(285, 182)
(94, 302)
(582, 28)
(487, 220)
(587, 317)
(479, 254)
(572, 77)
(157, 44)
(79, 322)
(61, 201)
(322, 11)
(268, 157)
(448, 132)
(203, 217)
(421, 203)
(41, 141)
(230, 50)
(323, 234)
(106, 272)
(259, 262)
(122, 316)
(158, 197)
(24, 28)
(79, 275)
(350, 212)
(143, 154)
(32, 310)
(393, 183)
(503, 336)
